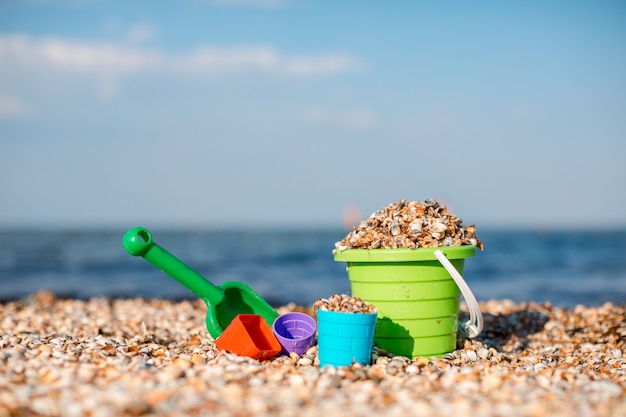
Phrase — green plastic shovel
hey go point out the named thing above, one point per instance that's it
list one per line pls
(224, 302)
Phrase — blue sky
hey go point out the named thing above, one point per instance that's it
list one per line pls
(287, 113)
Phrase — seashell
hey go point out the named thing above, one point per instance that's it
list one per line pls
(305, 362)
(447, 241)
(416, 227)
(483, 353)
(438, 227)
(437, 235)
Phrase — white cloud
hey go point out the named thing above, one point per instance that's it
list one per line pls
(106, 65)
(222, 61)
(327, 64)
(74, 57)
(109, 59)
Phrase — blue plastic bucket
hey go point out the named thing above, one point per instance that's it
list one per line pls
(344, 338)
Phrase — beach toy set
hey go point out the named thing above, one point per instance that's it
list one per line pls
(405, 265)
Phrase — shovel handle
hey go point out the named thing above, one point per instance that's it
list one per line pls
(138, 242)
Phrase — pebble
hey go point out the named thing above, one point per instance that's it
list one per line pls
(134, 357)
(305, 361)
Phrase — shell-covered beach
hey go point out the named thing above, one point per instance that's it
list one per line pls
(136, 357)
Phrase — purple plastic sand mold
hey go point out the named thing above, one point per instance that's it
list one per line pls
(295, 332)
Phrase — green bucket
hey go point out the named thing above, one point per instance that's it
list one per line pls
(415, 293)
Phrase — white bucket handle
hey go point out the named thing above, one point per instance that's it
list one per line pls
(475, 323)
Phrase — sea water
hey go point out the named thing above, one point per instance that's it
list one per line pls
(563, 267)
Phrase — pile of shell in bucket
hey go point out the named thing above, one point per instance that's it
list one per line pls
(346, 325)
(410, 224)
